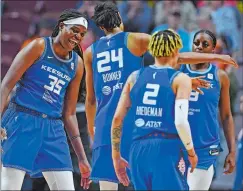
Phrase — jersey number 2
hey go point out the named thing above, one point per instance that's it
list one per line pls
(107, 57)
(55, 84)
(148, 95)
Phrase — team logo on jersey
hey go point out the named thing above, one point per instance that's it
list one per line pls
(72, 65)
(139, 122)
(210, 76)
(182, 166)
(154, 75)
(106, 90)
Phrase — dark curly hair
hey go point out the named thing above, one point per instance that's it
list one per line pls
(106, 15)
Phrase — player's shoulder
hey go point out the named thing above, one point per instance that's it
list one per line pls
(135, 36)
(223, 76)
(88, 52)
(38, 43)
(182, 78)
(222, 73)
(133, 76)
(35, 48)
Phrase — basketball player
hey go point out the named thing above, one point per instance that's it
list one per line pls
(108, 63)
(47, 73)
(203, 115)
(158, 99)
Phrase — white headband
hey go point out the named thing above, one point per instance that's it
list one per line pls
(77, 21)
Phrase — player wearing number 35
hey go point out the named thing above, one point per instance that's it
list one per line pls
(47, 74)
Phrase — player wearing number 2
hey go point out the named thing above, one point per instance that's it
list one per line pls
(108, 63)
(158, 99)
(47, 73)
(203, 115)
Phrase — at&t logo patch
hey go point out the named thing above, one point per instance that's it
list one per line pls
(106, 90)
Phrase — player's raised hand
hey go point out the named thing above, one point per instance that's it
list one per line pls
(229, 163)
(3, 134)
(226, 59)
(198, 83)
(193, 159)
(85, 174)
(120, 166)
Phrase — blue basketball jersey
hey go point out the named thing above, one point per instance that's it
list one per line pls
(203, 109)
(153, 101)
(112, 63)
(43, 86)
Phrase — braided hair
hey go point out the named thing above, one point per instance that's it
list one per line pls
(106, 15)
(164, 43)
(67, 15)
(209, 33)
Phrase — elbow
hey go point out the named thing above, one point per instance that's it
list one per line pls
(116, 120)
(68, 114)
(90, 102)
(5, 89)
(181, 123)
(226, 116)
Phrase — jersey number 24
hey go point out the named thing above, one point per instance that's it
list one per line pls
(108, 57)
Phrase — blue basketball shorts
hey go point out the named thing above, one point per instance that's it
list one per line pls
(206, 156)
(35, 144)
(157, 164)
(102, 164)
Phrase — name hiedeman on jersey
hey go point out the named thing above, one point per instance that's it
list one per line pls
(149, 111)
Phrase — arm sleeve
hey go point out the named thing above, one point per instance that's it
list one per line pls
(182, 124)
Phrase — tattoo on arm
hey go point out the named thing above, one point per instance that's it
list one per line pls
(116, 138)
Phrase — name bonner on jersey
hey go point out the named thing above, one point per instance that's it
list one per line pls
(111, 76)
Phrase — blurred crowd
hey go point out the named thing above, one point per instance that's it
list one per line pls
(224, 18)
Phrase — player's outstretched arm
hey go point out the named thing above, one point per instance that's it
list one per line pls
(90, 102)
(227, 121)
(123, 106)
(182, 88)
(138, 44)
(24, 59)
(71, 123)
(196, 58)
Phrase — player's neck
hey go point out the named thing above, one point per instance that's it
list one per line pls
(199, 67)
(163, 61)
(59, 49)
(114, 31)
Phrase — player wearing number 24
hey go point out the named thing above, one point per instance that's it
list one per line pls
(47, 74)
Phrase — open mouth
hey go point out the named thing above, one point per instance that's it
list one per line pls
(73, 42)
